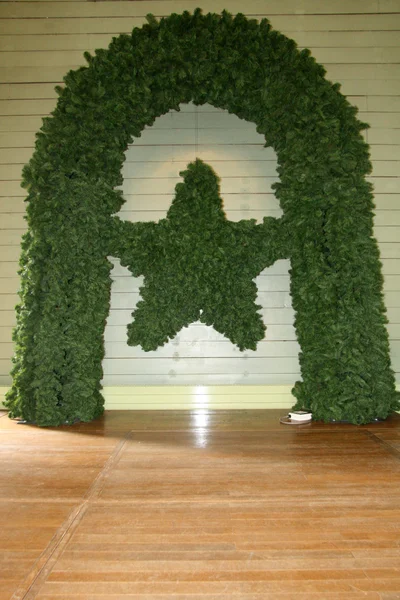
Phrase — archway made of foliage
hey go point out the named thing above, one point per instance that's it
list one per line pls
(326, 230)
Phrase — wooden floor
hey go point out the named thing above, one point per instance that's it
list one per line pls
(200, 505)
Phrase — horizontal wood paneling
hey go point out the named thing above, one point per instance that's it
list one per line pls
(198, 332)
(45, 23)
(8, 268)
(163, 8)
(271, 300)
(26, 90)
(27, 107)
(390, 267)
(376, 87)
(382, 104)
(46, 43)
(314, 40)
(56, 58)
(351, 55)
(16, 147)
(283, 315)
(203, 349)
(389, 250)
(10, 249)
(9, 253)
(265, 283)
(357, 41)
(383, 136)
(201, 366)
(23, 124)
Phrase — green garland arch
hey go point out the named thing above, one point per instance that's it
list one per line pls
(258, 74)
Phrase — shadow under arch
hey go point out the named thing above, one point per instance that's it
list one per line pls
(258, 74)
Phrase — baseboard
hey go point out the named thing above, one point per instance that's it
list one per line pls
(184, 397)
(191, 397)
(3, 391)
(160, 397)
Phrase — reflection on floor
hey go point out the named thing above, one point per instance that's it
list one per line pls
(200, 505)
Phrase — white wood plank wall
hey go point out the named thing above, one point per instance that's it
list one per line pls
(358, 41)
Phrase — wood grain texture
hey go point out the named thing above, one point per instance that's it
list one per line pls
(200, 504)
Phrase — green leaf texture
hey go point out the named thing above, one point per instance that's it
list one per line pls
(258, 74)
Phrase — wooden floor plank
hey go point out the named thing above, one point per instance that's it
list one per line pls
(179, 505)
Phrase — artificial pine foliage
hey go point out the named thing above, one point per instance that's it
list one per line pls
(258, 74)
(197, 266)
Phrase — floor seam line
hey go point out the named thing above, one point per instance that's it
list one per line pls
(42, 568)
(394, 451)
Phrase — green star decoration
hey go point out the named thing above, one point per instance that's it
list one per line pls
(198, 266)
